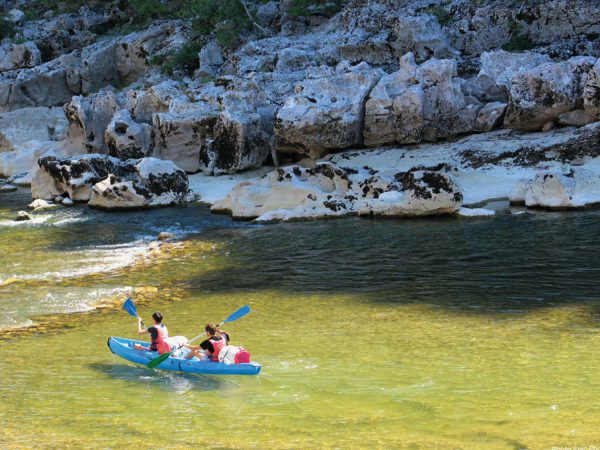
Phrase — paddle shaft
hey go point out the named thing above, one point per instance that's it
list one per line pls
(203, 334)
(235, 316)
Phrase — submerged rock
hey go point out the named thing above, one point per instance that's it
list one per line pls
(8, 188)
(41, 204)
(22, 216)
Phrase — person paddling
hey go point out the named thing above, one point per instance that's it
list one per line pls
(217, 339)
(158, 334)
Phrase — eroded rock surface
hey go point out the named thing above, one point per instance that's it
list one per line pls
(327, 190)
(127, 139)
(110, 183)
(325, 113)
(152, 183)
(574, 188)
(541, 95)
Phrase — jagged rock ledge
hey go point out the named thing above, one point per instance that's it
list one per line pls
(555, 169)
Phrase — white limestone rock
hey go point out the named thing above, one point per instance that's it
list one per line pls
(142, 104)
(542, 94)
(222, 132)
(133, 52)
(107, 182)
(210, 59)
(285, 189)
(74, 176)
(8, 188)
(41, 204)
(118, 61)
(490, 117)
(44, 85)
(152, 182)
(420, 193)
(577, 118)
(575, 188)
(22, 216)
(475, 212)
(15, 16)
(127, 139)
(423, 102)
(394, 108)
(88, 119)
(326, 190)
(27, 124)
(22, 163)
(19, 56)
(325, 113)
(591, 91)
(113, 194)
(501, 66)
(423, 36)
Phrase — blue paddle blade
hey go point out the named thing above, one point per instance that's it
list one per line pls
(130, 307)
(238, 314)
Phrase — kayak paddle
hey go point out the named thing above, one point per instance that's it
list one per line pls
(234, 316)
(129, 306)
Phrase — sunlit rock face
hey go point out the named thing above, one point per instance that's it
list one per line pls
(574, 188)
(327, 190)
(325, 113)
(108, 182)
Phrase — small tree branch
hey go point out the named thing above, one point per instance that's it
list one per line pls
(257, 26)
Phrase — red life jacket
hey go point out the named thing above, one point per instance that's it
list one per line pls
(159, 343)
(217, 346)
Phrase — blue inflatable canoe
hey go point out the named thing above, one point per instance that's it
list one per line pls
(124, 348)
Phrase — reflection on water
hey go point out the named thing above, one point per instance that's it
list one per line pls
(169, 381)
(435, 333)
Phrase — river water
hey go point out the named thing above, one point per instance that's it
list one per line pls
(372, 333)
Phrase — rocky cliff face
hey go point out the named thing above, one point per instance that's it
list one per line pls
(378, 73)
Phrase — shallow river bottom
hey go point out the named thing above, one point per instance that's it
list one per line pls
(372, 334)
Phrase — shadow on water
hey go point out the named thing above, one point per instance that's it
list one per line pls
(170, 381)
(504, 264)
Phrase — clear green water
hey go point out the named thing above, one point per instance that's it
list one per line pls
(439, 333)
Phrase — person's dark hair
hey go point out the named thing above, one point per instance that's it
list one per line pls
(157, 316)
(210, 328)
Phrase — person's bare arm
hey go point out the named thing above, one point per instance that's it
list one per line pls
(141, 330)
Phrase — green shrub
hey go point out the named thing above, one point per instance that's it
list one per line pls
(146, 10)
(7, 29)
(186, 59)
(207, 14)
(19, 39)
(443, 17)
(518, 40)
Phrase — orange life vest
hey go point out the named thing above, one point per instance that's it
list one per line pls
(217, 344)
(159, 343)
